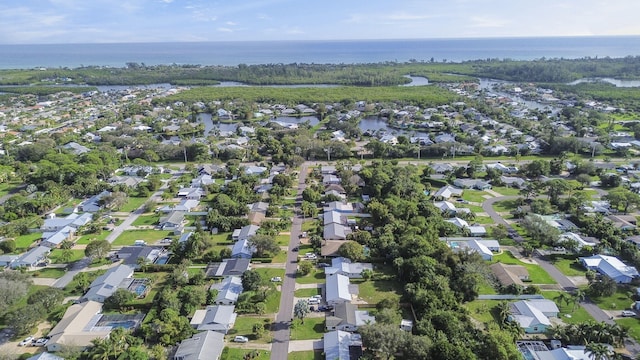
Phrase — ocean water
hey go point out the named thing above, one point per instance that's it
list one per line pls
(319, 52)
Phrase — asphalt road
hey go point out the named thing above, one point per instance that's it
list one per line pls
(280, 345)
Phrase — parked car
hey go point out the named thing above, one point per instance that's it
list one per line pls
(27, 341)
(325, 308)
(295, 249)
(323, 265)
(241, 339)
(314, 301)
(319, 297)
(276, 279)
(628, 313)
(40, 342)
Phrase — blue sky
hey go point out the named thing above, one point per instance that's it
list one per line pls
(107, 21)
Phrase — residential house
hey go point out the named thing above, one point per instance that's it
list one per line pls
(328, 170)
(472, 184)
(45, 356)
(245, 232)
(74, 220)
(442, 168)
(342, 345)
(7, 260)
(477, 230)
(54, 239)
(472, 245)
(333, 217)
(571, 236)
(330, 179)
(539, 350)
(202, 180)
(32, 258)
(243, 249)
(502, 168)
(508, 274)
(623, 222)
(339, 207)
(105, 285)
(76, 148)
(185, 205)
(459, 223)
(337, 289)
(206, 345)
(446, 192)
(191, 193)
(212, 169)
(611, 267)
(131, 254)
(255, 170)
(218, 318)
(445, 138)
(228, 267)
(344, 266)
(94, 203)
(75, 329)
(173, 221)
(336, 231)
(347, 317)
(228, 290)
(529, 315)
(512, 181)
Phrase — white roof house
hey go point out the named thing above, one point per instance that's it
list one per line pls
(242, 249)
(458, 222)
(339, 344)
(219, 318)
(105, 285)
(529, 316)
(206, 345)
(228, 290)
(344, 266)
(331, 217)
(76, 328)
(335, 231)
(31, 258)
(474, 246)
(339, 206)
(477, 230)
(448, 191)
(245, 232)
(445, 206)
(577, 238)
(611, 267)
(337, 289)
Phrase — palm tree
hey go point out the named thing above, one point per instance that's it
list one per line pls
(504, 311)
(599, 351)
(620, 334)
(578, 297)
(563, 298)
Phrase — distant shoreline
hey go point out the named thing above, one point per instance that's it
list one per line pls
(233, 53)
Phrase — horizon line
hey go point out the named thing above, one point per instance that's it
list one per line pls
(327, 40)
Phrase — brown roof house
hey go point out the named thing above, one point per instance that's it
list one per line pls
(510, 274)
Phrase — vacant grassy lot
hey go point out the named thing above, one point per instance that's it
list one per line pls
(316, 276)
(505, 206)
(24, 241)
(150, 236)
(633, 324)
(313, 328)
(569, 267)
(283, 240)
(306, 355)
(85, 239)
(507, 191)
(239, 354)
(305, 293)
(621, 300)
(373, 291)
(133, 204)
(151, 219)
(224, 237)
(50, 273)
(244, 326)
(484, 220)
(56, 256)
(474, 195)
(481, 310)
(577, 313)
(536, 273)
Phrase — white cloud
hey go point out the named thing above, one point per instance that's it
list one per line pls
(231, 23)
(223, 29)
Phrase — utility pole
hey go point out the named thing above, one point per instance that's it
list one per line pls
(328, 151)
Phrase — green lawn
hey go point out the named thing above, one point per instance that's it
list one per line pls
(24, 241)
(621, 300)
(577, 314)
(133, 204)
(307, 225)
(49, 273)
(312, 329)
(481, 310)
(281, 258)
(224, 237)
(507, 191)
(244, 326)
(239, 354)
(283, 240)
(474, 195)
(485, 288)
(305, 355)
(85, 239)
(474, 208)
(569, 267)
(307, 293)
(130, 236)
(484, 220)
(505, 206)
(56, 254)
(316, 276)
(633, 324)
(374, 291)
(536, 273)
(146, 220)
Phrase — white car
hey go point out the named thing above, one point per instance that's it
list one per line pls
(314, 301)
(40, 342)
(276, 279)
(628, 313)
(319, 297)
(241, 339)
(27, 341)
